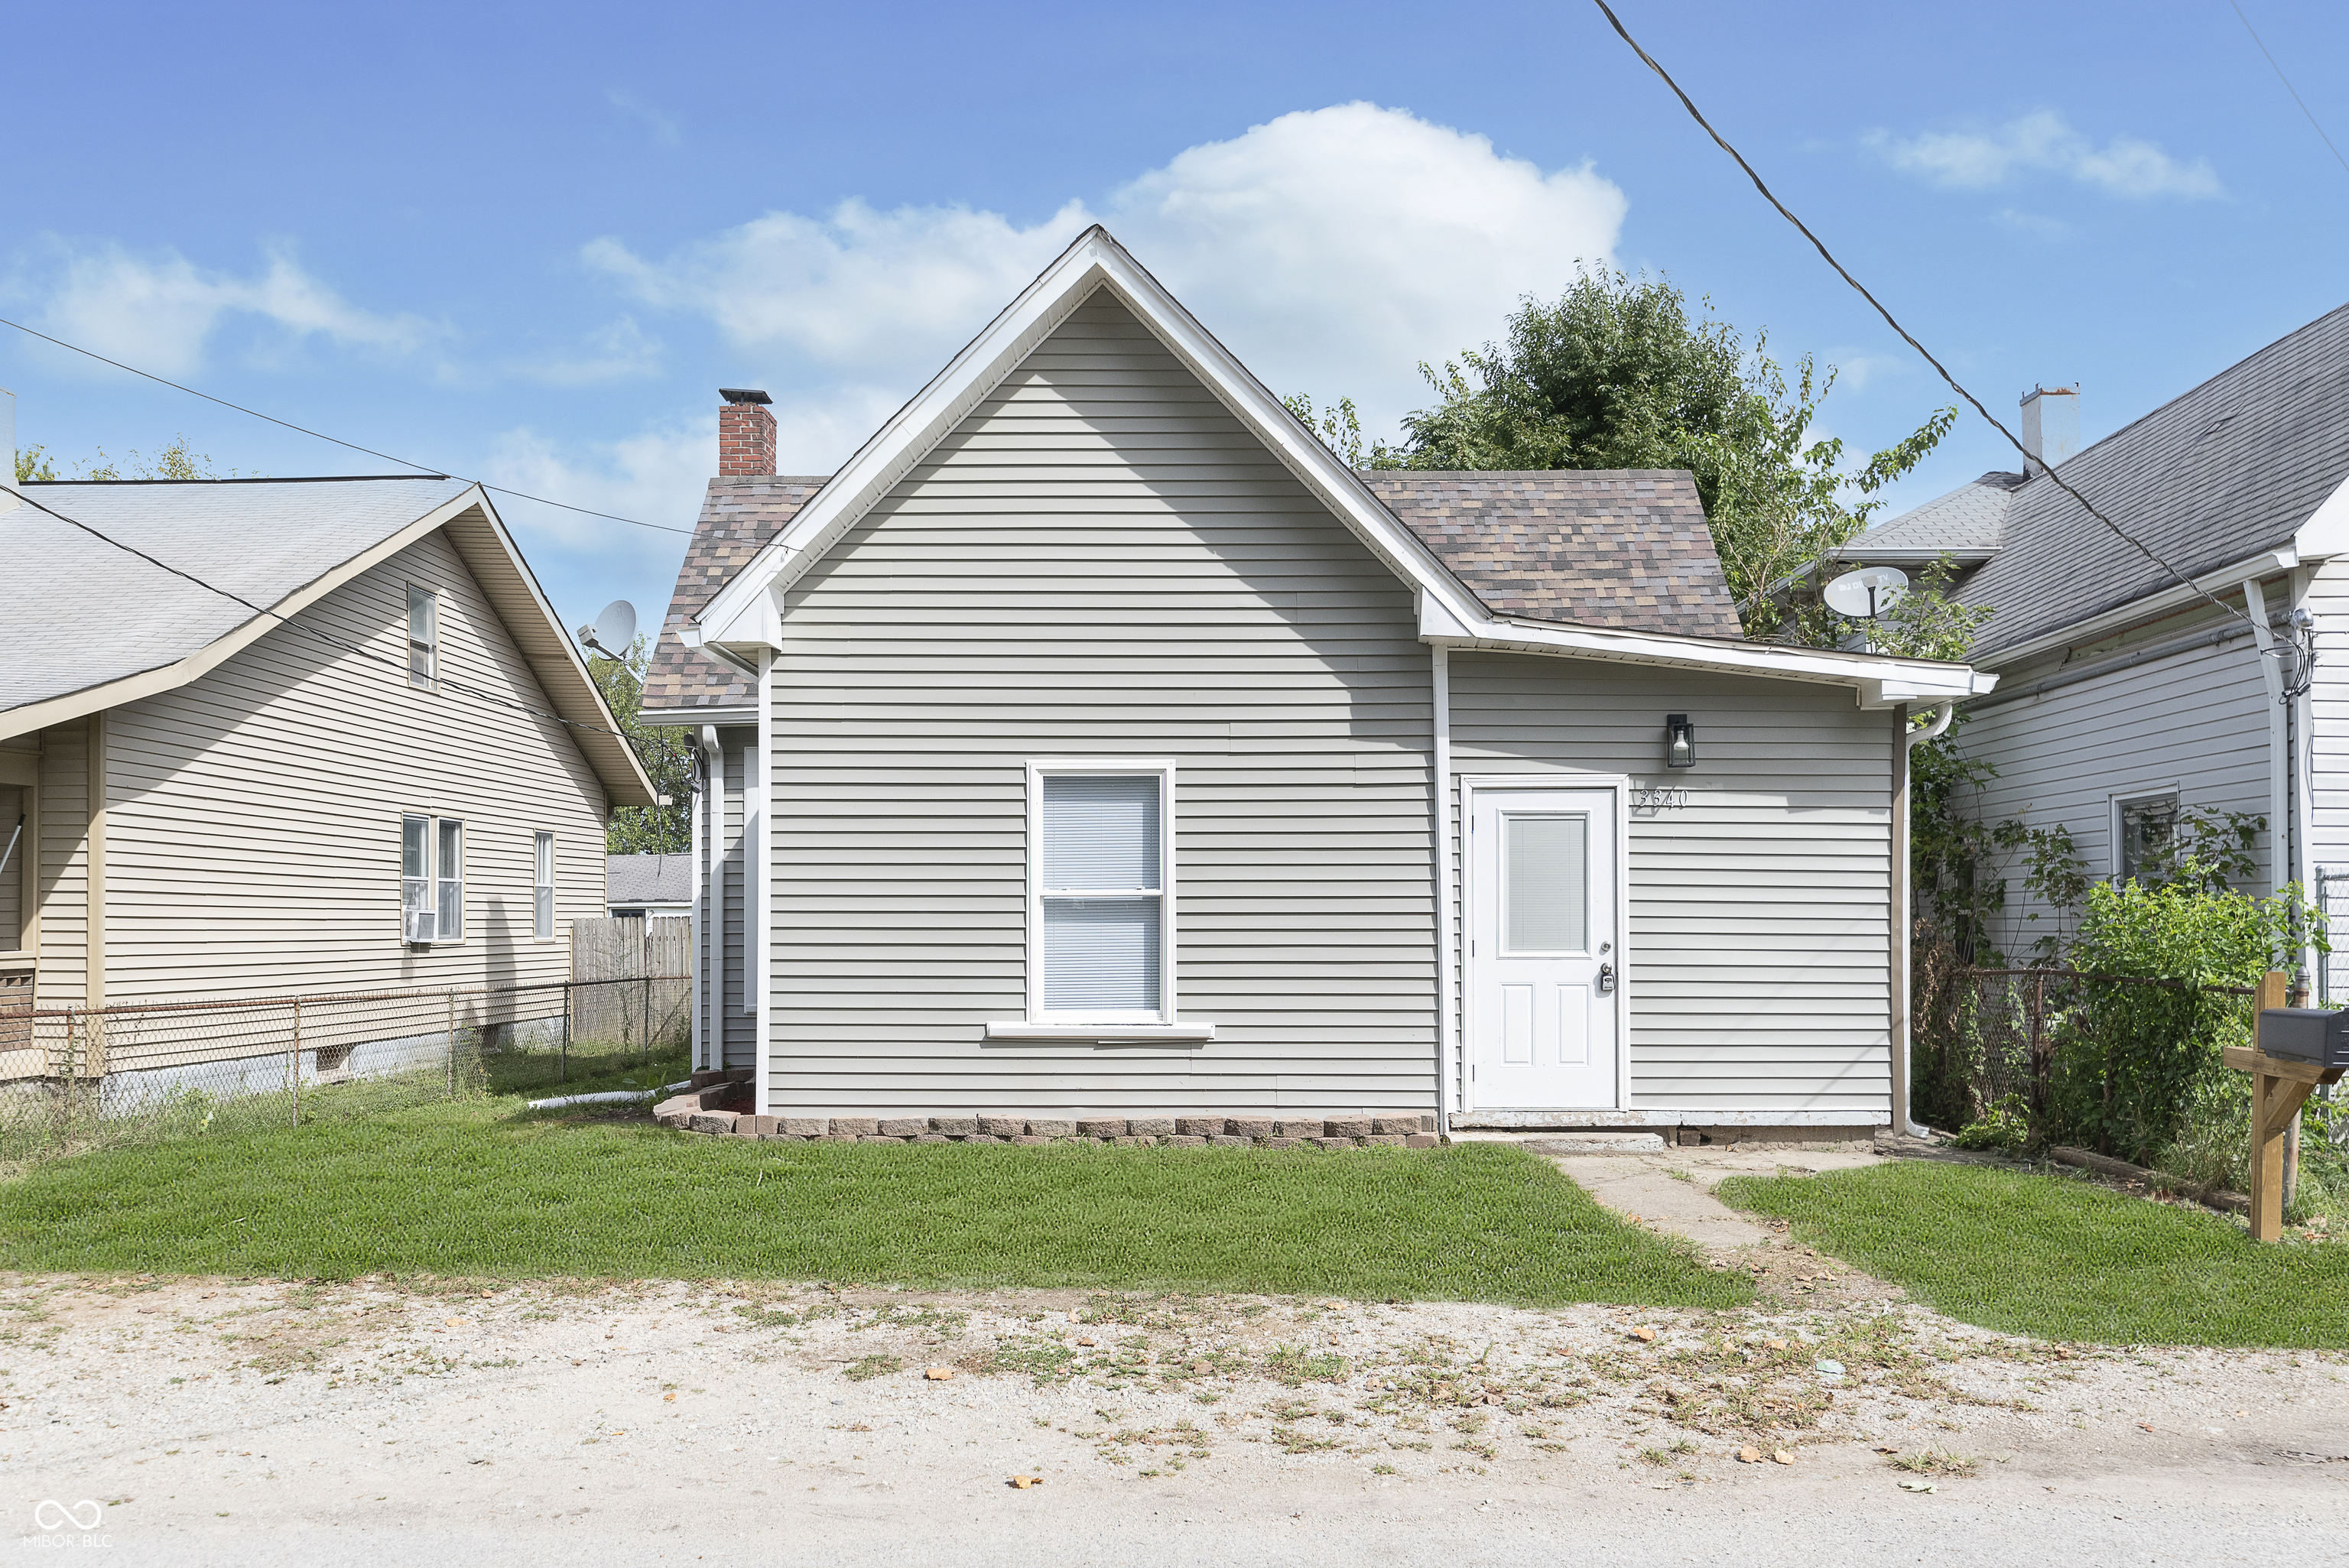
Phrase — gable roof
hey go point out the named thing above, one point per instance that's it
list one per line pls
(90, 626)
(739, 514)
(1969, 524)
(1621, 547)
(649, 878)
(2241, 465)
(744, 616)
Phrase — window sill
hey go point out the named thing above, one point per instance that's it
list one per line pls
(1101, 1034)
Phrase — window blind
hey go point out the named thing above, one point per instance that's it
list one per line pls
(1103, 904)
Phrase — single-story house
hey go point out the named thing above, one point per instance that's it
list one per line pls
(381, 764)
(1096, 741)
(636, 886)
(2127, 694)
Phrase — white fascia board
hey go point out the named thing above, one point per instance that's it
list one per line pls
(746, 614)
(2326, 532)
(1095, 261)
(1881, 681)
(2153, 606)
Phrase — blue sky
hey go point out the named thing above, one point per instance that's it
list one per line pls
(526, 243)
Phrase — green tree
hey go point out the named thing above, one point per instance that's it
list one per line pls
(1617, 373)
(664, 828)
(175, 462)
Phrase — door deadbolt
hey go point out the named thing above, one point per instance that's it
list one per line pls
(1605, 978)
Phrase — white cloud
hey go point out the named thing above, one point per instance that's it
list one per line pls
(158, 310)
(2043, 142)
(1331, 249)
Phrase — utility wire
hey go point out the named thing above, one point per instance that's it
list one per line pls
(1828, 256)
(2286, 80)
(321, 434)
(462, 687)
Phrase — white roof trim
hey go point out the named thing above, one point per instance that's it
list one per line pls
(746, 614)
(2155, 606)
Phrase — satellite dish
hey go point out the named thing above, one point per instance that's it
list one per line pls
(612, 631)
(1864, 595)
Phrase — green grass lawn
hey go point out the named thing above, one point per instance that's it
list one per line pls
(475, 1188)
(2060, 1259)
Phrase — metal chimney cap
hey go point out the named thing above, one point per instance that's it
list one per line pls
(743, 395)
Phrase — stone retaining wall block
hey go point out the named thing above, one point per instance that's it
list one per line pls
(855, 1126)
(1249, 1127)
(954, 1125)
(1098, 1127)
(804, 1125)
(1003, 1125)
(1347, 1126)
(904, 1126)
(1422, 1140)
(1050, 1126)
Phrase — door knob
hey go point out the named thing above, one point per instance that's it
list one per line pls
(1605, 978)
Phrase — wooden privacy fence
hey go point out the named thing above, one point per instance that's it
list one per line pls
(657, 953)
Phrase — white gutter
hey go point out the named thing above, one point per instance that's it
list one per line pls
(1447, 931)
(757, 862)
(708, 896)
(2153, 606)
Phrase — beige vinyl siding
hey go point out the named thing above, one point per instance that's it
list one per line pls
(1101, 562)
(2196, 722)
(741, 1022)
(61, 979)
(1758, 979)
(254, 814)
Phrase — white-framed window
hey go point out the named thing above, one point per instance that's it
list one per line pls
(2143, 827)
(431, 877)
(1100, 891)
(542, 903)
(423, 636)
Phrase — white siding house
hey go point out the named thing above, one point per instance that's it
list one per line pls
(1110, 748)
(2126, 693)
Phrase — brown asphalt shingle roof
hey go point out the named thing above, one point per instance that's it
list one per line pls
(1626, 548)
(738, 515)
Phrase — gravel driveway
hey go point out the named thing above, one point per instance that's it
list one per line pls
(219, 1422)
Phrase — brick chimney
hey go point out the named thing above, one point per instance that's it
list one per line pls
(746, 432)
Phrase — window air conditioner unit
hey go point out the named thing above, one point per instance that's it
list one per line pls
(419, 926)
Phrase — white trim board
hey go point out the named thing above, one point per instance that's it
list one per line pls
(746, 614)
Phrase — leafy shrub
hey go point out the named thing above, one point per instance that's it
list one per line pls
(2003, 1128)
(2132, 1061)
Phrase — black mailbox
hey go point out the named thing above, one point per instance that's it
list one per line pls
(2318, 1034)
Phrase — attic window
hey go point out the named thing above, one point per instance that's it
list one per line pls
(423, 636)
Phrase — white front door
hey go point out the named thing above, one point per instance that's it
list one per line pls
(1542, 962)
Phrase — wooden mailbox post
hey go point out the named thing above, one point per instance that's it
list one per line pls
(2280, 1085)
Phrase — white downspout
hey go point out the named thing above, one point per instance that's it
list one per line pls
(757, 862)
(709, 891)
(2280, 768)
(1905, 920)
(1447, 934)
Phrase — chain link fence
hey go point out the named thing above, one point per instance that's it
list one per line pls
(73, 1079)
(1987, 1038)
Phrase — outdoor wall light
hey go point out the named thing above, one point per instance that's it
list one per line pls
(1680, 741)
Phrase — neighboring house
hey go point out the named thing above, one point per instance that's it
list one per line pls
(2127, 695)
(1105, 744)
(406, 789)
(636, 886)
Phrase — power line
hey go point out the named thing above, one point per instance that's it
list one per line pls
(321, 434)
(1828, 256)
(2286, 80)
(462, 687)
